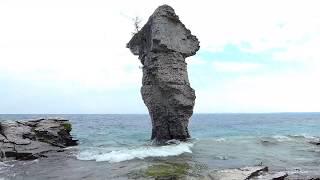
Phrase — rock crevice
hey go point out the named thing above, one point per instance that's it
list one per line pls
(162, 45)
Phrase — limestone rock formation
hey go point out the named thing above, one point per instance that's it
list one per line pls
(25, 140)
(162, 45)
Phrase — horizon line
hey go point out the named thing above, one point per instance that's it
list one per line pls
(148, 113)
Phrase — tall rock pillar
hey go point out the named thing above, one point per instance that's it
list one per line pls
(162, 44)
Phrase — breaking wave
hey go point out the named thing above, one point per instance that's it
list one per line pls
(220, 140)
(136, 153)
(4, 167)
(296, 137)
(304, 136)
(282, 138)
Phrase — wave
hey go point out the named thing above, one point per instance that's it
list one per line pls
(3, 164)
(304, 136)
(288, 138)
(4, 167)
(282, 138)
(220, 139)
(136, 153)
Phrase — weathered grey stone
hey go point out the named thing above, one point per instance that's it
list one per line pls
(162, 45)
(237, 174)
(246, 173)
(272, 176)
(31, 139)
(14, 132)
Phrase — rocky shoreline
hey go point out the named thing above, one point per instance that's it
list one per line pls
(184, 171)
(28, 140)
(33, 139)
(258, 173)
(255, 172)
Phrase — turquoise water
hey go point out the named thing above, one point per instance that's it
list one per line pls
(280, 141)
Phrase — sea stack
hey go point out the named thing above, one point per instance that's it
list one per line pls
(162, 44)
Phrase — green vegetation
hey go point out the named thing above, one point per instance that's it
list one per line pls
(167, 170)
(67, 126)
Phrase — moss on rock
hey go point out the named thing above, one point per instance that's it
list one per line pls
(67, 127)
(167, 170)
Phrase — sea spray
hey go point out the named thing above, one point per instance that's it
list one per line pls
(4, 167)
(133, 153)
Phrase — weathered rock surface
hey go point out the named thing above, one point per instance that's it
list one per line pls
(255, 172)
(25, 140)
(162, 45)
(237, 174)
(272, 176)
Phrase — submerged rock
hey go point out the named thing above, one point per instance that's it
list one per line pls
(315, 142)
(25, 140)
(167, 171)
(162, 45)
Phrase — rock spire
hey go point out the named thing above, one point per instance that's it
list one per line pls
(162, 45)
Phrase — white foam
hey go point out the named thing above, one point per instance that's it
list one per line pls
(306, 136)
(281, 138)
(139, 153)
(220, 139)
(4, 167)
(2, 164)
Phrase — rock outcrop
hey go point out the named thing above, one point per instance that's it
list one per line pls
(162, 45)
(25, 140)
(246, 173)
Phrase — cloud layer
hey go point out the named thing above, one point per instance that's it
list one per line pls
(69, 56)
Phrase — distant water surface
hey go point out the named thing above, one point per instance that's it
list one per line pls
(113, 146)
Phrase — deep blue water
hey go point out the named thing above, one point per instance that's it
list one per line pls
(279, 140)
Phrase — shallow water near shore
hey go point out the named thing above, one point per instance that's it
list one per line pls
(118, 146)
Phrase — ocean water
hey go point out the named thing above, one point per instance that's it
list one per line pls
(118, 146)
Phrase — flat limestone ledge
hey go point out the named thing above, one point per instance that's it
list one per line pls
(246, 173)
(27, 140)
(185, 171)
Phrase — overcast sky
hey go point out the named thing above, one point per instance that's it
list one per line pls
(69, 56)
